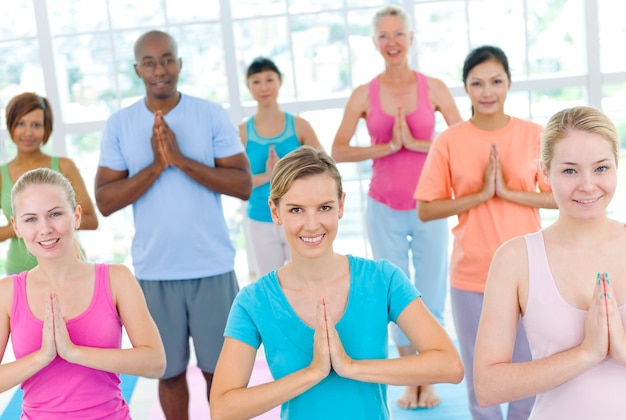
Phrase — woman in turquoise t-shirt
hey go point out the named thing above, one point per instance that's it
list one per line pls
(268, 135)
(322, 318)
(29, 122)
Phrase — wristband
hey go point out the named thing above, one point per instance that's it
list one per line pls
(392, 147)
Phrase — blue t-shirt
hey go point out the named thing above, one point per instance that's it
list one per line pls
(379, 292)
(257, 149)
(180, 231)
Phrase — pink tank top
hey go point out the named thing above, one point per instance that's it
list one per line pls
(552, 325)
(394, 177)
(63, 390)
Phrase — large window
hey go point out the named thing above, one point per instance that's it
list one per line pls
(79, 54)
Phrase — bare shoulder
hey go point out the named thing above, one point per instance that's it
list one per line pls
(66, 164)
(512, 250)
(6, 294)
(120, 276)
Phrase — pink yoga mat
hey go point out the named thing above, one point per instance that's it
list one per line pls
(198, 406)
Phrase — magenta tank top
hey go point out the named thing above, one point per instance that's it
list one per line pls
(394, 177)
(552, 325)
(63, 390)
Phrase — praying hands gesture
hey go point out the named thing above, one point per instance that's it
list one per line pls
(328, 350)
(402, 136)
(604, 329)
(164, 143)
(55, 339)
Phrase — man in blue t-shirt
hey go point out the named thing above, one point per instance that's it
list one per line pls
(171, 156)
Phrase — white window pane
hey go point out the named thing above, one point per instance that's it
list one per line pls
(546, 103)
(130, 86)
(372, 3)
(321, 55)
(366, 60)
(441, 40)
(556, 38)
(489, 23)
(192, 10)
(612, 35)
(20, 69)
(132, 13)
(204, 70)
(267, 37)
(85, 77)
(252, 8)
(72, 16)
(299, 6)
(18, 19)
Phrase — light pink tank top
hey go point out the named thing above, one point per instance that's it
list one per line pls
(63, 390)
(552, 325)
(394, 177)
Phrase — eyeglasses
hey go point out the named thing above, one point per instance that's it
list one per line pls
(150, 65)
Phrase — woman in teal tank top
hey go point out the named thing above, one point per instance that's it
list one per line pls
(29, 121)
(268, 135)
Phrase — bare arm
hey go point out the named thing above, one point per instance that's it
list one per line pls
(234, 367)
(114, 190)
(89, 220)
(145, 358)
(306, 134)
(356, 108)
(437, 359)
(231, 175)
(15, 372)
(497, 379)
(533, 199)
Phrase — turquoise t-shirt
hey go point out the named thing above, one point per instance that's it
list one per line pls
(379, 292)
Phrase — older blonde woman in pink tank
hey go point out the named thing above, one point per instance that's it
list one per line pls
(399, 108)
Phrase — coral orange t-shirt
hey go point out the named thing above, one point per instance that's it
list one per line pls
(455, 167)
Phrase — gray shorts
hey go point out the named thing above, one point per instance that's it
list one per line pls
(196, 308)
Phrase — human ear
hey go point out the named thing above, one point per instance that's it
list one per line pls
(78, 215)
(14, 226)
(341, 204)
(274, 212)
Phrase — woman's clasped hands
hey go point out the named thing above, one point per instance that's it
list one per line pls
(55, 338)
(328, 351)
(604, 329)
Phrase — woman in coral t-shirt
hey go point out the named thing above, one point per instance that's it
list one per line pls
(486, 171)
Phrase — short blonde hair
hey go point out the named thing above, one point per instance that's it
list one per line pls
(391, 11)
(301, 163)
(581, 118)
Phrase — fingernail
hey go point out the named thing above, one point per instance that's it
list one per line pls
(606, 278)
(608, 296)
(600, 295)
(599, 279)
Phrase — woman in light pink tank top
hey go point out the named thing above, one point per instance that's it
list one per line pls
(65, 316)
(566, 282)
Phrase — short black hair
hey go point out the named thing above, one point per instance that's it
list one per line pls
(485, 53)
(261, 64)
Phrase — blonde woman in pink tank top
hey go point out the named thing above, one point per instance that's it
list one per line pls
(65, 316)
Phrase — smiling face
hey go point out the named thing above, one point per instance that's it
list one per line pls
(487, 85)
(29, 131)
(264, 86)
(158, 65)
(309, 212)
(44, 218)
(393, 39)
(582, 174)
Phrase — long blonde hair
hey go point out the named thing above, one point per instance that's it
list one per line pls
(47, 176)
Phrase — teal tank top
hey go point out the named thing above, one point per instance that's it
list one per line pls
(257, 149)
(18, 257)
